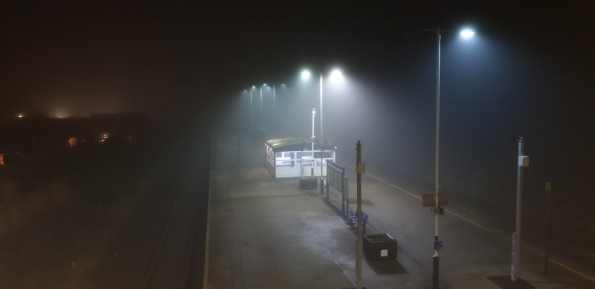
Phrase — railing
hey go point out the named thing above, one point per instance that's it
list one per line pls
(336, 179)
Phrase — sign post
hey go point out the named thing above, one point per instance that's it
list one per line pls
(522, 162)
(360, 169)
(548, 190)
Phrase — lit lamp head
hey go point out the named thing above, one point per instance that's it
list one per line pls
(467, 33)
(336, 75)
(305, 75)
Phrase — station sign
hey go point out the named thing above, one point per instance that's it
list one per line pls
(429, 200)
(322, 155)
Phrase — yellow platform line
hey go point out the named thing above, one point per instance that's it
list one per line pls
(571, 270)
(418, 197)
(481, 227)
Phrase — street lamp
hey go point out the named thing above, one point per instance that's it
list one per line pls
(274, 110)
(274, 118)
(337, 76)
(283, 106)
(264, 85)
(251, 118)
(466, 33)
(313, 116)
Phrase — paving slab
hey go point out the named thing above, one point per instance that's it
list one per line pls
(267, 233)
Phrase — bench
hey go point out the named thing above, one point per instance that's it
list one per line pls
(353, 219)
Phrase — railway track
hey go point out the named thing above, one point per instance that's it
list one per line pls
(161, 244)
(177, 260)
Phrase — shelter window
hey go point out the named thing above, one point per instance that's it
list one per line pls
(285, 159)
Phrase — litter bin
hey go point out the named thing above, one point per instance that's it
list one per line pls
(308, 183)
(380, 247)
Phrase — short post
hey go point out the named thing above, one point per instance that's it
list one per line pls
(327, 190)
(345, 194)
(548, 190)
(321, 186)
(343, 190)
(360, 169)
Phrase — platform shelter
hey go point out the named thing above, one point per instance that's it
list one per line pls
(293, 157)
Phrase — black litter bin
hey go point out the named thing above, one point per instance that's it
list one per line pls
(308, 183)
(380, 247)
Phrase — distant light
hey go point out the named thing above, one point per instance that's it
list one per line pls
(336, 75)
(467, 33)
(20, 116)
(305, 75)
(313, 111)
(253, 87)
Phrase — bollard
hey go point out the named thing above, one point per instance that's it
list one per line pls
(321, 186)
(327, 190)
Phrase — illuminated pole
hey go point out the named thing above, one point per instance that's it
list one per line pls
(467, 33)
(313, 115)
(261, 106)
(321, 139)
(274, 109)
(251, 117)
(336, 75)
(436, 257)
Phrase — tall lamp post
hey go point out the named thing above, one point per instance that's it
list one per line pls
(313, 116)
(251, 118)
(274, 110)
(261, 104)
(438, 244)
(336, 75)
(274, 118)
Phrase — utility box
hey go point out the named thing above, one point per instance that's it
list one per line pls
(308, 183)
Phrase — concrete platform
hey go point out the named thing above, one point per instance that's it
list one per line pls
(267, 233)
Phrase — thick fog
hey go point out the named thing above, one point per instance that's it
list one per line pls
(492, 93)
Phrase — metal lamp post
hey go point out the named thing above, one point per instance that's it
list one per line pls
(313, 116)
(336, 75)
(438, 244)
(251, 117)
(261, 105)
(274, 110)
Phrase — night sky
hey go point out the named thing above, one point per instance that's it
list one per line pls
(71, 58)
(530, 71)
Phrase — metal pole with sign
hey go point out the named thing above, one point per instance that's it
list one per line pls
(548, 190)
(360, 168)
(522, 162)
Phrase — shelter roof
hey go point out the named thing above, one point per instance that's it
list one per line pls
(295, 144)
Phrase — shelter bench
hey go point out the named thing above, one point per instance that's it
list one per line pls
(353, 219)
